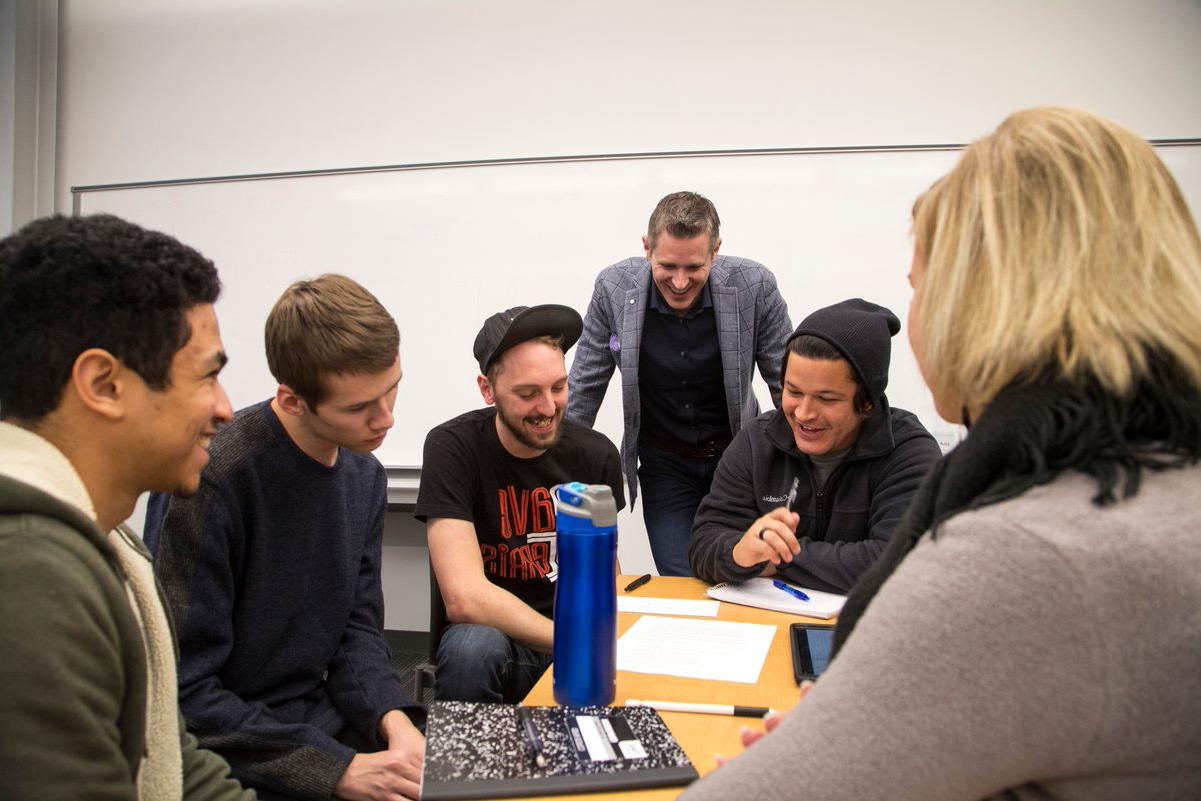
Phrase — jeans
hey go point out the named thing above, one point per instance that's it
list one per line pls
(672, 487)
(480, 663)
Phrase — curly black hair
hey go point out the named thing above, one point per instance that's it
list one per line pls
(72, 283)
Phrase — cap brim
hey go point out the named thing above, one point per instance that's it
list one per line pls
(537, 321)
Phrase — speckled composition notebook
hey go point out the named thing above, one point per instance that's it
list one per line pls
(481, 751)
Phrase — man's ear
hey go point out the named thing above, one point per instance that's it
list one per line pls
(485, 389)
(646, 249)
(289, 401)
(716, 247)
(101, 382)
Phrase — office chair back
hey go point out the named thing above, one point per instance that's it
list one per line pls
(424, 673)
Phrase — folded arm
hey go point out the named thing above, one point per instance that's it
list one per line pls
(470, 597)
(362, 683)
(894, 482)
(727, 515)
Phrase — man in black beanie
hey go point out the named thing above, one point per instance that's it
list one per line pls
(856, 462)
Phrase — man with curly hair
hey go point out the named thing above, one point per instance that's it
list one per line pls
(109, 355)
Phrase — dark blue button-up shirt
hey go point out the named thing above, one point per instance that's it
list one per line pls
(680, 373)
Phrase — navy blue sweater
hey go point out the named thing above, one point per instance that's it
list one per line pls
(272, 574)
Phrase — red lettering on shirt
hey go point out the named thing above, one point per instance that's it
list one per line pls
(544, 509)
(539, 561)
(501, 551)
(522, 513)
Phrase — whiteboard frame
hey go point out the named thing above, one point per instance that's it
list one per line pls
(403, 480)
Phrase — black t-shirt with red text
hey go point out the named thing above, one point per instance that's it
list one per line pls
(466, 474)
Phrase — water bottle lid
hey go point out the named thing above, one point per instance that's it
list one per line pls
(593, 501)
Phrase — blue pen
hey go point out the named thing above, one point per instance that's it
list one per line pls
(793, 591)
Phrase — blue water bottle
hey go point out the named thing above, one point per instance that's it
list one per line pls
(585, 650)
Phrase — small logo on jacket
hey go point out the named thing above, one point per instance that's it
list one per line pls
(774, 498)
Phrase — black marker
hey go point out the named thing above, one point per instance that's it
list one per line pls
(531, 735)
(638, 582)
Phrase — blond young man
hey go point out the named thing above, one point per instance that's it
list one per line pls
(109, 355)
(273, 568)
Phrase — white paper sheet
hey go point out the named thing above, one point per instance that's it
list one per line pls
(667, 606)
(717, 650)
(760, 593)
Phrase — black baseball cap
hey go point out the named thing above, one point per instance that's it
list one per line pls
(513, 326)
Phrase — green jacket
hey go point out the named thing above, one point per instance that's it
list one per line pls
(74, 680)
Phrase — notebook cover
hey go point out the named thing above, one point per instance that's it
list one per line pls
(480, 751)
(760, 593)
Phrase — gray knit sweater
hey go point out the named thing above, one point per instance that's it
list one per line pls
(1040, 646)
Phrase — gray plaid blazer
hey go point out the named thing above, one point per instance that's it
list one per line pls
(752, 328)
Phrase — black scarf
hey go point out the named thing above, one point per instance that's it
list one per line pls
(1028, 435)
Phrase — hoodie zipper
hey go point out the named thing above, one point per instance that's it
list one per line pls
(821, 517)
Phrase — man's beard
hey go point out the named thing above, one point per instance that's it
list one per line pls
(516, 427)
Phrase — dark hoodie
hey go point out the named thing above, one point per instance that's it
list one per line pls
(844, 524)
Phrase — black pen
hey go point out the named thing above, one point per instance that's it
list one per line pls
(638, 582)
(531, 735)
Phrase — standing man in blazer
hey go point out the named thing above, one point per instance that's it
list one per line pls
(687, 327)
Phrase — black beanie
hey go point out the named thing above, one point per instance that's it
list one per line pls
(861, 331)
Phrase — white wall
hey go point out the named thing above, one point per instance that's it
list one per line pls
(28, 92)
(8, 99)
(175, 89)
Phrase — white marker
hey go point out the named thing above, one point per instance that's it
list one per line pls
(704, 709)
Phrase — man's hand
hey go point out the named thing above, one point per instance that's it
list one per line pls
(387, 775)
(401, 735)
(771, 538)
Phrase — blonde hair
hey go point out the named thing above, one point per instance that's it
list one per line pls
(1059, 243)
(329, 325)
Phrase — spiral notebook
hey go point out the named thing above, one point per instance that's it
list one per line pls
(480, 751)
(760, 593)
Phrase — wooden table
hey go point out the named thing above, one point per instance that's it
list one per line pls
(701, 736)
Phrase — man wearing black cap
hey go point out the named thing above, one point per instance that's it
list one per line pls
(485, 498)
(856, 462)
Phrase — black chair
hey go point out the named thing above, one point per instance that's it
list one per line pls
(424, 673)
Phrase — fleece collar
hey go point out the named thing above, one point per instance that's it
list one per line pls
(33, 460)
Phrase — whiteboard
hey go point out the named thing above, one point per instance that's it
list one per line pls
(445, 247)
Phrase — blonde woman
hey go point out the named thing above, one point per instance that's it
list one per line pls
(1034, 628)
